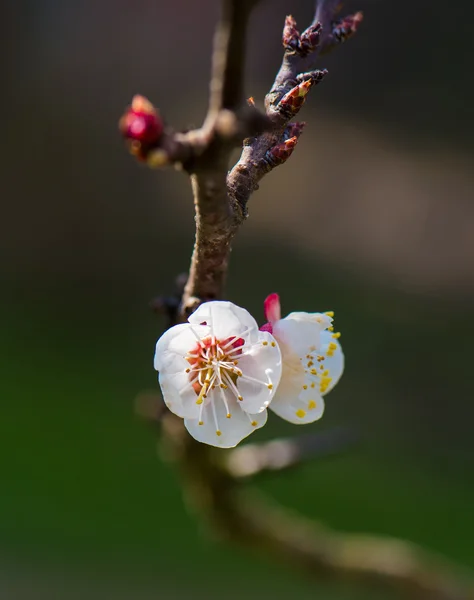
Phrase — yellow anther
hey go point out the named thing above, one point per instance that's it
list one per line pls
(329, 313)
(188, 371)
(331, 328)
(326, 373)
(337, 335)
(310, 363)
(300, 413)
(320, 358)
(332, 346)
(305, 387)
(228, 416)
(239, 398)
(313, 372)
(273, 344)
(265, 343)
(313, 385)
(254, 423)
(201, 423)
(311, 405)
(218, 432)
(199, 400)
(270, 386)
(330, 353)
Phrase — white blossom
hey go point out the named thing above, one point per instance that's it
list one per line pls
(219, 373)
(312, 358)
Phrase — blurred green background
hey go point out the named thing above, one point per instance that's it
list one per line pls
(372, 217)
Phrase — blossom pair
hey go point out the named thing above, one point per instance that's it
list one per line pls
(220, 372)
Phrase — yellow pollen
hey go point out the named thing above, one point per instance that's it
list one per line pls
(265, 343)
(311, 405)
(330, 353)
(310, 363)
(331, 328)
(326, 373)
(329, 313)
(218, 432)
(305, 387)
(300, 413)
(273, 344)
(313, 372)
(336, 336)
(270, 386)
(332, 346)
(254, 423)
(201, 423)
(228, 416)
(320, 358)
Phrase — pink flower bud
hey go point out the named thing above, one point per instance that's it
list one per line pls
(141, 122)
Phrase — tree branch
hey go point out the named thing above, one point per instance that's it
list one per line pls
(221, 205)
(241, 517)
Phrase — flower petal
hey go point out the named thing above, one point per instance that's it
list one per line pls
(175, 344)
(298, 335)
(179, 395)
(334, 359)
(271, 308)
(301, 408)
(225, 320)
(221, 431)
(261, 372)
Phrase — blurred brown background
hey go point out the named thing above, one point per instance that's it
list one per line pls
(372, 217)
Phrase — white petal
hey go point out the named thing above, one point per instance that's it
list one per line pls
(298, 335)
(226, 320)
(334, 363)
(171, 397)
(261, 372)
(320, 319)
(301, 407)
(179, 395)
(174, 345)
(229, 431)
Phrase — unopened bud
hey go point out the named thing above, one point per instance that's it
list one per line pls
(294, 99)
(291, 36)
(346, 27)
(310, 38)
(141, 123)
(294, 129)
(281, 152)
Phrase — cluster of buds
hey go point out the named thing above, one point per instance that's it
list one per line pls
(304, 43)
(141, 126)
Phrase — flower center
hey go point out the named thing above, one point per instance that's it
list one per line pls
(214, 363)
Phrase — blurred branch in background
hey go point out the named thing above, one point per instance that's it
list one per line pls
(212, 478)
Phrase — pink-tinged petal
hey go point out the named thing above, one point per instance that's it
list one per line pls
(268, 327)
(272, 309)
